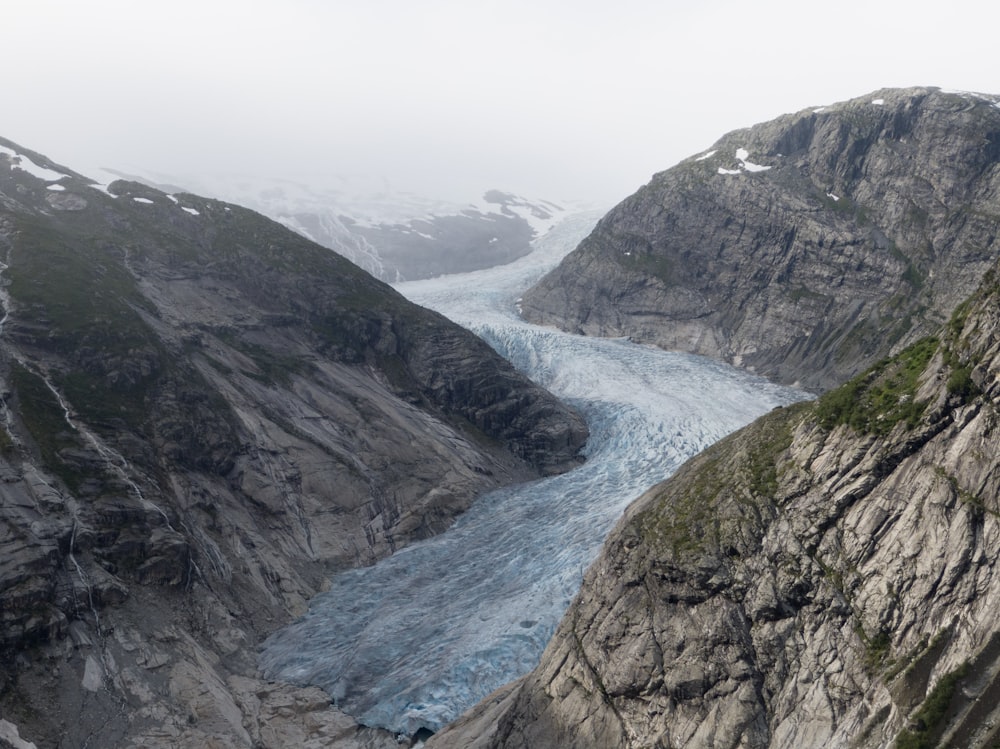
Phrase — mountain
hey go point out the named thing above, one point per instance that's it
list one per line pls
(204, 414)
(805, 248)
(825, 577)
(393, 234)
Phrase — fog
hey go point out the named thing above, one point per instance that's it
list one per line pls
(561, 100)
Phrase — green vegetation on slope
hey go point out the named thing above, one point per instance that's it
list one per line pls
(45, 421)
(878, 399)
(76, 299)
(718, 495)
(926, 724)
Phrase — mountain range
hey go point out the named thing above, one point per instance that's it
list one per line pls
(393, 234)
(206, 413)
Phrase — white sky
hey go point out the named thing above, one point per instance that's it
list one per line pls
(557, 99)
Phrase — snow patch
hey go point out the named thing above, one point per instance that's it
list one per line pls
(832, 196)
(103, 180)
(55, 188)
(9, 733)
(878, 102)
(708, 155)
(93, 675)
(290, 222)
(742, 155)
(146, 201)
(173, 199)
(192, 211)
(25, 164)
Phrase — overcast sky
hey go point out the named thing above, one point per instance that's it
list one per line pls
(549, 98)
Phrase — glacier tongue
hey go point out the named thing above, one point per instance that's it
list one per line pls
(425, 634)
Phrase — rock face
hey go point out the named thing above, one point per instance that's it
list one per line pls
(805, 248)
(204, 414)
(825, 577)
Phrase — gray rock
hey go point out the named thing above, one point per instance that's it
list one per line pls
(204, 416)
(873, 219)
(817, 579)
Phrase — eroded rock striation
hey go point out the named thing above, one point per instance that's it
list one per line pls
(205, 414)
(805, 248)
(825, 577)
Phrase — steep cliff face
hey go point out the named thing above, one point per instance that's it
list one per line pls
(825, 577)
(203, 415)
(805, 248)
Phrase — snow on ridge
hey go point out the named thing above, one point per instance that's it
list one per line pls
(708, 155)
(531, 211)
(988, 98)
(104, 178)
(540, 224)
(295, 225)
(742, 155)
(25, 164)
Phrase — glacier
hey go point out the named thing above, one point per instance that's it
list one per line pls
(423, 635)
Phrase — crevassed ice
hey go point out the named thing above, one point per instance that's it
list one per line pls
(425, 634)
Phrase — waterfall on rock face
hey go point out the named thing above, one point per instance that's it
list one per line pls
(425, 634)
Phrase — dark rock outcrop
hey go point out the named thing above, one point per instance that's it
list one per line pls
(805, 248)
(204, 414)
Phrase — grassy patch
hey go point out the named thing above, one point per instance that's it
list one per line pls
(876, 400)
(877, 649)
(45, 421)
(800, 293)
(928, 721)
(711, 502)
(273, 368)
(79, 297)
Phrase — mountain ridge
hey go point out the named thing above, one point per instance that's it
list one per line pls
(805, 248)
(394, 235)
(827, 575)
(204, 415)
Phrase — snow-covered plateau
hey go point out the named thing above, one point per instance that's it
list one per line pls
(423, 635)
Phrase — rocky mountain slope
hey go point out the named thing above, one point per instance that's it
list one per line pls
(805, 248)
(392, 234)
(827, 576)
(203, 415)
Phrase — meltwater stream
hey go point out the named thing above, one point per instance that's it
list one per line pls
(425, 634)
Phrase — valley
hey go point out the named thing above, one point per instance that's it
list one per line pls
(253, 497)
(436, 627)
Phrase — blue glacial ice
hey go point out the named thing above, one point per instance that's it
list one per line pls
(425, 634)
